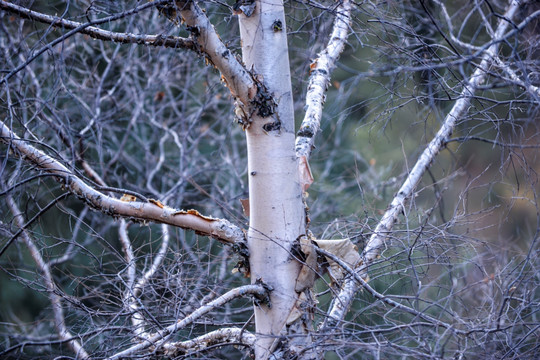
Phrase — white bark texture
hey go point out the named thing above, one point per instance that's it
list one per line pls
(237, 78)
(319, 80)
(220, 336)
(277, 215)
(377, 241)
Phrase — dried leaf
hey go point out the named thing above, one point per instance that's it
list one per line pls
(345, 250)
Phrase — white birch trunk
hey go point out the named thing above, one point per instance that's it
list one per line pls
(277, 215)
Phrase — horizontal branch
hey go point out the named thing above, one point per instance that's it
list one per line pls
(77, 30)
(257, 290)
(218, 337)
(138, 211)
(319, 80)
(97, 33)
(377, 240)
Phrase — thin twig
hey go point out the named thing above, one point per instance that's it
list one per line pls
(97, 33)
(78, 29)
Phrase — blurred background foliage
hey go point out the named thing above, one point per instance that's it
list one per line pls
(159, 122)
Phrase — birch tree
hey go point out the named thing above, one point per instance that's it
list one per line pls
(161, 201)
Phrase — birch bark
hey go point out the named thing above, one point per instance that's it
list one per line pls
(277, 216)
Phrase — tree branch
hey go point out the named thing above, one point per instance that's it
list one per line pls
(221, 336)
(97, 33)
(152, 210)
(54, 298)
(134, 290)
(258, 290)
(353, 275)
(377, 240)
(236, 77)
(533, 90)
(319, 80)
(75, 31)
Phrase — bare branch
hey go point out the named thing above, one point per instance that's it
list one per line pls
(75, 31)
(319, 80)
(97, 33)
(330, 322)
(157, 339)
(55, 299)
(377, 241)
(153, 210)
(532, 89)
(134, 291)
(222, 336)
(239, 81)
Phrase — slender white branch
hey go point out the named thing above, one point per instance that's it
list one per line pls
(376, 242)
(55, 299)
(135, 290)
(532, 89)
(319, 80)
(97, 33)
(130, 300)
(158, 259)
(384, 298)
(158, 339)
(239, 81)
(128, 252)
(153, 210)
(221, 336)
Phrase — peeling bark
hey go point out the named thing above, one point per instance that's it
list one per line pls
(137, 211)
